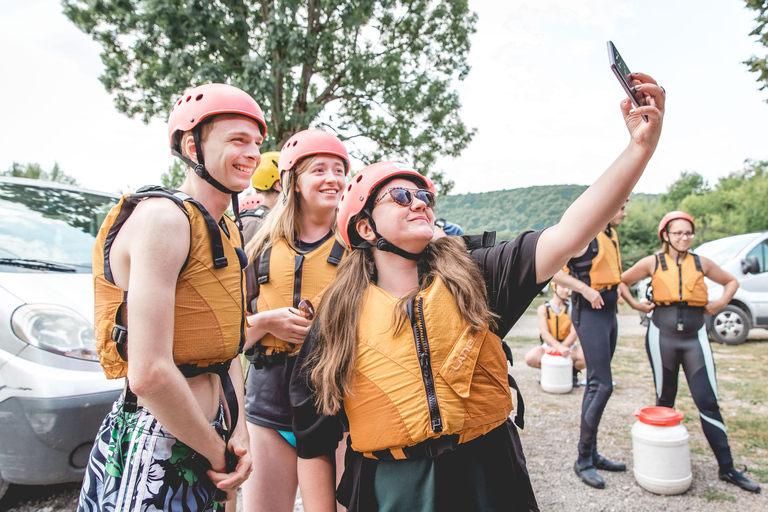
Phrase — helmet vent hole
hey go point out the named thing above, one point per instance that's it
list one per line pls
(179, 103)
(188, 98)
(294, 142)
(359, 177)
(349, 187)
(199, 97)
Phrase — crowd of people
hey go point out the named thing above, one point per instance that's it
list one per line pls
(375, 375)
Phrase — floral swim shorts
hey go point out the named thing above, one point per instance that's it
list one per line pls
(137, 465)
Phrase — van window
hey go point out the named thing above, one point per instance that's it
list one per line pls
(761, 252)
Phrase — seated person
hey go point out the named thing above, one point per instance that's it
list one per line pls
(557, 332)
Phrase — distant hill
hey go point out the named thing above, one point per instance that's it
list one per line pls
(508, 212)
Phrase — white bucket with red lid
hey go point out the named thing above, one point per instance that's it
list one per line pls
(556, 372)
(661, 451)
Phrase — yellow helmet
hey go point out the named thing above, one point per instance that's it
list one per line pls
(266, 173)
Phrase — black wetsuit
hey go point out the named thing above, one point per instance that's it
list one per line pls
(677, 336)
(598, 331)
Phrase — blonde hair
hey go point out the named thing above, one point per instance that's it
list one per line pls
(283, 220)
(331, 365)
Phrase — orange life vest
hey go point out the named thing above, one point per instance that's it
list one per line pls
(287, 276)
(430, 379)
(683, 282)
(209, 318)
(604, 267)
(559, 323)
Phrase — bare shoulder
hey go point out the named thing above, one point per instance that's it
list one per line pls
(158, 230)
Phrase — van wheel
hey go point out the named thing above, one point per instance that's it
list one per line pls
(730, 326)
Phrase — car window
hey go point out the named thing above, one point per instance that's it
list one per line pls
(723, 249)
(50, 224)
(760, 253)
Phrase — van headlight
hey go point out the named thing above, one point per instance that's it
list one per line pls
(56, 329)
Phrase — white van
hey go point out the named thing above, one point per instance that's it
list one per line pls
(746, 258)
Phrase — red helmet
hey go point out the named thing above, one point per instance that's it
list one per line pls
(307, 143)
(674, 216)
(209, 100)
(430, 184)
(250, 201)
(356, 195)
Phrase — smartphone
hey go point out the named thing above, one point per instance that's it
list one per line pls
(624, 75)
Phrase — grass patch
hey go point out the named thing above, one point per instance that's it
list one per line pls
(762, 474)
(714, 495)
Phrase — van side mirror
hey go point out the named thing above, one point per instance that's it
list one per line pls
(750, 265)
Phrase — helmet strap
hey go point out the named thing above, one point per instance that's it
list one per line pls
(199, 166)
(383, 244)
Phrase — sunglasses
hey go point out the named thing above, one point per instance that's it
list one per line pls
(404, 196)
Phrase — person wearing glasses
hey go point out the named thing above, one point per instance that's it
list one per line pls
(406, 348)
(677, 333)
(292, 258)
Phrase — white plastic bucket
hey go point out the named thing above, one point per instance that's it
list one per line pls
(556, 372)
(661, 452)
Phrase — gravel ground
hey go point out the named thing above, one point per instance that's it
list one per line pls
(549, 441)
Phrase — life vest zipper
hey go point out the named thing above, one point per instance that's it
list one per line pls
(679, 277)
(422, 351)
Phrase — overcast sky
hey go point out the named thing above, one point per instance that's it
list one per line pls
(540, 94)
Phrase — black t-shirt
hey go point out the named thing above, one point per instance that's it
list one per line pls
(509, 271)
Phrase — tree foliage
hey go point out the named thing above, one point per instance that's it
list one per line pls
(35, 171)
(377, 72)
(757, 64)
(175, 175)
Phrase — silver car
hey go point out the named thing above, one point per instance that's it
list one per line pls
(53, 393)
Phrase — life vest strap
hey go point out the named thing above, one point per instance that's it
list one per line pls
(487, 239)
(334, 258)
(427, 449)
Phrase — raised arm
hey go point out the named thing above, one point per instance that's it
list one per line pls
(592, 211)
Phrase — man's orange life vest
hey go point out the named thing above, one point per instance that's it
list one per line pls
(601, 263)
(559, 323)
(209, 317)
(683, 282)
(430, 379)
(287, 276)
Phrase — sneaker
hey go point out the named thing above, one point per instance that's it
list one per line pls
(733, 476)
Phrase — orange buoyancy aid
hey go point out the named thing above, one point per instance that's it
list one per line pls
(601, 263)
(287, 276)
(433, 378)
(559, 323)
(209, 316)
(683, 282)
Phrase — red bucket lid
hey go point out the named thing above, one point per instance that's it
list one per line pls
(553, 352)
(659, 416)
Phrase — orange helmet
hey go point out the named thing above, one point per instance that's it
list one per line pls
(677, 214)
(209, 100)
(355, 196)
(250, 201)
(308, 143)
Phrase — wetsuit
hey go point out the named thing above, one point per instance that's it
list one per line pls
(487, 473)
(597, 330)
(677, 335)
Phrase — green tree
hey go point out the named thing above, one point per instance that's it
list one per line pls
(174, 176)
(35, 172)
(688, 183)
(757, 64)
(377, 72)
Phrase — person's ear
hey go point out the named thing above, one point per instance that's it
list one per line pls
(190, 147)
(363, 228)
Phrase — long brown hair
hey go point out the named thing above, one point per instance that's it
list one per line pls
(331, 364)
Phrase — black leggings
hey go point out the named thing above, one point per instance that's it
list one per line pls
(597, 332)
(668, 348)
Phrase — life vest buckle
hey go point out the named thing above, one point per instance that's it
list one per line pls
(119, 335)
(220, 262)
(680, 326)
